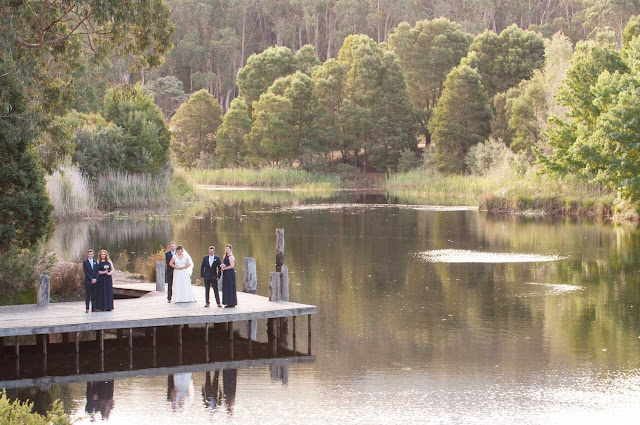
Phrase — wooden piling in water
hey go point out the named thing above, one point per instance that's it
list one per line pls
(279, 249)
(17, 346)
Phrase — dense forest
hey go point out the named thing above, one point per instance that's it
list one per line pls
(136, 87)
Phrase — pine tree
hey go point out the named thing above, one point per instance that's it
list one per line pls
(195, 124)
(461, 119)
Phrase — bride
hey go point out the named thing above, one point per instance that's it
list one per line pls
(183, 266)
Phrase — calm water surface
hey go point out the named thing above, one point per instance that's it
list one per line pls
(425, 315)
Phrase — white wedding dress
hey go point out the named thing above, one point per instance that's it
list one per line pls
(182, 290)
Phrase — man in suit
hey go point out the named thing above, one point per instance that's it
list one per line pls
(90, 268)
(169, 274)
(210, 273)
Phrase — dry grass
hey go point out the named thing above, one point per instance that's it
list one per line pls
(70, 193)
(67, 282)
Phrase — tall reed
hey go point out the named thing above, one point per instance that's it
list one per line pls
(118, 189)
(70, 193)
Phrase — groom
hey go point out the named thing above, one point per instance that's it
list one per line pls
(90, 269)
(210, 273)
(169, 274)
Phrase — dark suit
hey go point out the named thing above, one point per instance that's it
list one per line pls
(168, 276)
(89, 288)
(210, 274)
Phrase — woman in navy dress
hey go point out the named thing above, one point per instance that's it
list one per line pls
(104, 286)
(229, 297)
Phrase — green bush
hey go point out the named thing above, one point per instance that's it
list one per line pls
(99, 150)
(19, 413)
(19, 270)
(408, 161)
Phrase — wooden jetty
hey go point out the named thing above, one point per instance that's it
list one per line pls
(148, 311)
(46, 381)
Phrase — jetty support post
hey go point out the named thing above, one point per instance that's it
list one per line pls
(250, 286)
(160, 273)
(279, 249)
(44, 290)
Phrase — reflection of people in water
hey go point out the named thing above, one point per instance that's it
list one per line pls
(99, 398)
(229, 381)
(180, 389)
(210, 391)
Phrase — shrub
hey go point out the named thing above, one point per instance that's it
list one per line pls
(494, 156)
(408, 161)
(99, 150)
(17, 412)
(70, 193)
(67, 282)
(19, 270)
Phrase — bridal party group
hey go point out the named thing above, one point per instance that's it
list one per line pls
(98, 278)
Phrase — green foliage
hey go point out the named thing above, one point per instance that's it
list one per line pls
(26, 211)
(19, 413)
(145, 133)
(426, 53)
(230, 146)
(306, 60)
(632, 29)
(588, 62)
(262, 70)
(195, 124)
(506, 59)
(50, 41)
(528, 114)
(167, 93)
(99, 150)
(408, 161)
(19, 270)
(461, 119)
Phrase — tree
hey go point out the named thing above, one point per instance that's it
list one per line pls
(306, 59)
(426, 53)
(506, 59)
(146, 136)
(589, 60)
(236, 124)
(49, 41)
(26, 210)
(167, 93)
(262, 70)
(99, 150)
(195, 124)
(271, 137)
(461, 119)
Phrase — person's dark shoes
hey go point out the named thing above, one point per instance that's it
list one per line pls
(229, 306)
(94, 309)
(86, 311)
(219, 305)
(168, 301)
(206, 305)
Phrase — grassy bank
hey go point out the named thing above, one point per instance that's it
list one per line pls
(266, 178)
(510, 192)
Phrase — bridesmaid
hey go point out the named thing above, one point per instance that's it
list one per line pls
(104, 286)
(229, 298)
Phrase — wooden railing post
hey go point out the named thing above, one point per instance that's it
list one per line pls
(250, 281)
(160, 271)
(44, 290)
(279, 249)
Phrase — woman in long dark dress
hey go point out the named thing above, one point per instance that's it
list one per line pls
(104, 285)
(229, 297)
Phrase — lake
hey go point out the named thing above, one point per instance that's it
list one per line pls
(438, 315)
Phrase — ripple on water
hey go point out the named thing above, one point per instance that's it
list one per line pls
(550, 289)
(468, 256)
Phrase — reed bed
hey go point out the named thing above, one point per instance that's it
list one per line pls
(267, 177)
(118, 189)
(70, 193)
(509, 192)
